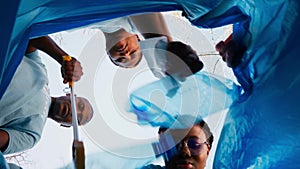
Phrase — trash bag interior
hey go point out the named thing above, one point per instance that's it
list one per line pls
(259, 131)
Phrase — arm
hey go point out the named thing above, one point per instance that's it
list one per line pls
(151, 25)
(47, 45)
(71, 70)
(4, 140)
(25, 127)
(18, 140)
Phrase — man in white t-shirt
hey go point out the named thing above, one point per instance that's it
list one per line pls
(27, 103)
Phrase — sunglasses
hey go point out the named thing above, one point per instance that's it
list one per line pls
(193, 144)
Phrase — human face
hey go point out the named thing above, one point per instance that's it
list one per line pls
(61, 110)
(189, 157)
(126, 52)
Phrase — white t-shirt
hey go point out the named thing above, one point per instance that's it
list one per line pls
(25, 104)
(154, 51)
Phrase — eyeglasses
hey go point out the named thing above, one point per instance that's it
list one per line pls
(193, 144)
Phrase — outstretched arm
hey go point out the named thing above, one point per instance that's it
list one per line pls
(151, 25)
(71, 70)
(47, 45)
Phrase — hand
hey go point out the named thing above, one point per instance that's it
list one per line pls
(71, 70)
(231, 52)
(181, 61)
(220, 47)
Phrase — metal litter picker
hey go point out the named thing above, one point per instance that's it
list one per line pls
(77, 147)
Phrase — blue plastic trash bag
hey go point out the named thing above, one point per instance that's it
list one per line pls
(201, 94)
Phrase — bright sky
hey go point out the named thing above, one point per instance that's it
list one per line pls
(107, 87)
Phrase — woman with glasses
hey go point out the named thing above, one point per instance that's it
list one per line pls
(191, 144)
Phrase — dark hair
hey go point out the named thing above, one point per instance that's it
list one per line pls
(197, 121)
(207, 132)
(186, 54)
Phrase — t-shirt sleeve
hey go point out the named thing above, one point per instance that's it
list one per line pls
(24, 132)
(20, 140)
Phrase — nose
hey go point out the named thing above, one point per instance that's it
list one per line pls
(126, 52)
(127, 55)
(184, 151)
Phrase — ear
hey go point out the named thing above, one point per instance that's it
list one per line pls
(208, 150)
